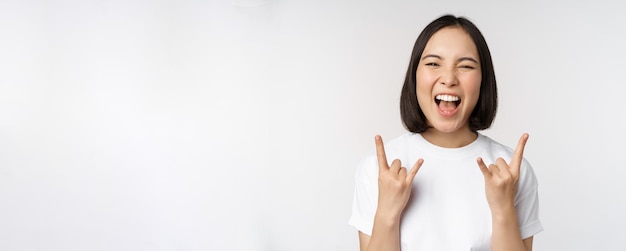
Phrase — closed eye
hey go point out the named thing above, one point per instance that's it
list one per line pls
(467, 67)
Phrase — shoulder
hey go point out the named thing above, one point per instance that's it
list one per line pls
(398, 146)
(395, 148)
(496, 150)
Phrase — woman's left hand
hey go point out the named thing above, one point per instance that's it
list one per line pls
(501, 179)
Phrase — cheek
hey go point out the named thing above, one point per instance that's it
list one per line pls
(421, 88)
(472, 85)
(423, 92)
(424, 83)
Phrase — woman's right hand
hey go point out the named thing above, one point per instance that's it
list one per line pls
(394, 183)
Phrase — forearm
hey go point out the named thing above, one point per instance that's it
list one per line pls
(385, 234)
(505, 231)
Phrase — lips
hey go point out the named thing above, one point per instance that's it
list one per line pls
(447, 104)
(447, 100)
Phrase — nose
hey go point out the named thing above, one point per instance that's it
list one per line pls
(448, 78)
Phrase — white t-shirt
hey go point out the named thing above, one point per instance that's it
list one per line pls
(448, 208)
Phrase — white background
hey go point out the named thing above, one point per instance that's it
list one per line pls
(238, 125)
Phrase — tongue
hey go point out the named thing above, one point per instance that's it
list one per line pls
(447, 106)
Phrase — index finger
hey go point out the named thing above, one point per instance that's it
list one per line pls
(518, 155)
(380, 152)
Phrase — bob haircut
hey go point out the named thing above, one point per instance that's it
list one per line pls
(485, 111)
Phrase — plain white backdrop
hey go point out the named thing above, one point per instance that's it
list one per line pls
(238, 125)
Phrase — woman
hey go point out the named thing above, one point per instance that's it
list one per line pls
(456, 201)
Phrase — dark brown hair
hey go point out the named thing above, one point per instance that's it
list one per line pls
(485, 111)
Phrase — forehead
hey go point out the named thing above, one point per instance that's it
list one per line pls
(451, 42)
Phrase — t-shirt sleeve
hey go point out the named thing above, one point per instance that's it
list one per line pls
(365, 198)
(527, 202)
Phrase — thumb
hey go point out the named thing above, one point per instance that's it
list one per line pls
(414, 169)
(483, 168)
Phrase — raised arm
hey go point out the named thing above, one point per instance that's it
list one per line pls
(394, 190)
(501, 181)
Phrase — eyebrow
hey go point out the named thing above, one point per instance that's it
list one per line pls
(467, 58)
(431, 56)
(459, 60)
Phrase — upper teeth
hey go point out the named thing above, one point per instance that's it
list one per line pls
(448, 98)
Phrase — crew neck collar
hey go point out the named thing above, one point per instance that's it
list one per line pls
(468, 150)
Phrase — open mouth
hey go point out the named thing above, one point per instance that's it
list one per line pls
(447, 102)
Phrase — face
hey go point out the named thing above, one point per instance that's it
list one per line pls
(448, 80)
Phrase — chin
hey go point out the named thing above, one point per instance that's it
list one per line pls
(446, 130)
(448, 127)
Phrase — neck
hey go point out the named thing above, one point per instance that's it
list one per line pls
(456, 139)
